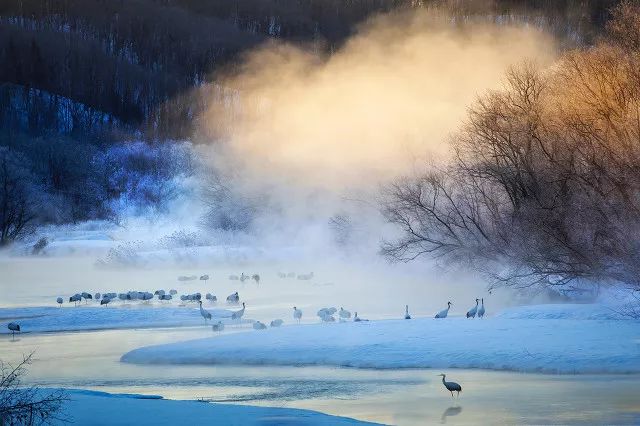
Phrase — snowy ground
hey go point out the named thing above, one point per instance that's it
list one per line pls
(540, 345)
(50, 319)
(99, 408)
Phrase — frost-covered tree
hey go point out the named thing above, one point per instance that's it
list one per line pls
(26, 405)
(544, 185)
(19, 198)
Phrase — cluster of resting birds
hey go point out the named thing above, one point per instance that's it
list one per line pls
(327, 315)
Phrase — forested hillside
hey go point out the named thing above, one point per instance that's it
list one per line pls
(87, 67)
(81, 79)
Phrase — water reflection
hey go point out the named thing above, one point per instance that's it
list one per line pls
(401, 397)
(450, 412)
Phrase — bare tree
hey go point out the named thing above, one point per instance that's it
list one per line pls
(544, 188)
(20, 405)
(17, 197)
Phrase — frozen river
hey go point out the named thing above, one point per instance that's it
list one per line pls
(90, 360)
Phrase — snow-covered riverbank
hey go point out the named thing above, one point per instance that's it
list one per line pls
(50, 319)
(100, 408)
(541, 345)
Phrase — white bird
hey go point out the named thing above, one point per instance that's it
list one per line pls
(406, 312)
(204, 277)
(233, 298)
(276, 323)
(173, 292)
(481, 309)
(210, 297)
(13, 326)
(472, 311)
(356, 318)
(325, 315)
(297, 314)
(105, 301)
(187, 278)
(238, 314)
(97, 296)
(344, 313)
(243, 277)
(443, 313)
(451, 386)
(86, 296)
(205, 314)
(165, 297)
(219, 326)
(305, 276)
(59, 300)
(259, 326)
(256, 278)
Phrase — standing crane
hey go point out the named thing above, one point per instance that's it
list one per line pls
(205, 314)
(406, 312)
(238, 314)
(219, 326)
(13, 326)
(344, 314)
(59, 300)
(451, 386)
(443, 313)
(481, 309)
(297, 314)
(472, 312)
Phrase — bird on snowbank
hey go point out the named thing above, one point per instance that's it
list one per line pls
(472, 312)
(276, 323)
(219, 326)
(344, 314)
(297, 314)
(259, 326)
(451, 386)
(238, 314)
(233, 298)
(443, 313)
(356, 318)
(205, 314)
(481, 309)
(13, 326)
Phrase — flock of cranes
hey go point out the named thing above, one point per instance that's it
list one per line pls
(326, 315)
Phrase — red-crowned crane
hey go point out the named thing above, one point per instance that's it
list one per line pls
(219, 326)
(205, 314)
(472, 312)
(13, 326)
(259, 326)
(481, 310)
(443, 313)
(451, 386)
(406, 312)
(297, 314)
(237, 315)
